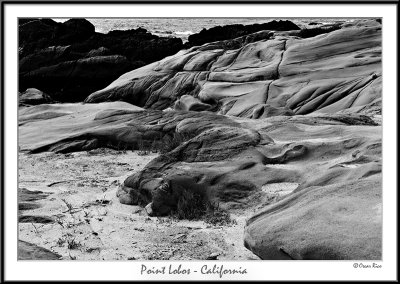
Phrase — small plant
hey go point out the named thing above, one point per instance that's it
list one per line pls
(121, 146)
(36, 229)
(143, 149)
(65, 224)
(72, 244)
(143, 153)
(155, 146)
(218, 217)
(61, 241)
(60, 222)
(69, 206)
(166, 221)
(190, 206)
(86, 214)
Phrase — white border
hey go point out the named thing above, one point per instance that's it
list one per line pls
(258, 270)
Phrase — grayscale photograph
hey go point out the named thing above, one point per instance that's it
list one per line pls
(194, 139)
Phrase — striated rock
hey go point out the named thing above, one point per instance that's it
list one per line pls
(113, 124)
(227, 160)
(187, 102)
(328, 73)
(33, 97)
(101, 51)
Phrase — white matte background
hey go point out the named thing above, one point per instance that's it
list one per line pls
(257, 270)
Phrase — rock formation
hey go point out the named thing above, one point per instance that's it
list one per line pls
(234, 31)
(34, 97)
(70, 60)
(271, 122)
(266, 72)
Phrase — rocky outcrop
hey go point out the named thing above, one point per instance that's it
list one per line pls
(34, 97)
(270, 123)
(228, 161)
(328, 73)
(70, 60)
(234, 31)
(36, 34)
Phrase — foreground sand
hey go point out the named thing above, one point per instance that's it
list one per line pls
(98, 227)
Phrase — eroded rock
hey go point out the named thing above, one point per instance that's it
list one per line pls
(264, 74)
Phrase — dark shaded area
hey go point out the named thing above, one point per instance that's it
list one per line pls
(28, 206)
(306, 33)
(233, 31)
(28, 251)
(27, 199)
(70, 60)
(35, 219)
(30, 195)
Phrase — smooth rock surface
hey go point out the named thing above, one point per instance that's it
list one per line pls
(337, 222)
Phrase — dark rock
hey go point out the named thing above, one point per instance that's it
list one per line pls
(73, 80)
(233, 31)
(35, 219)
(62, 59)
(306, 33)
(37, 34)
(48, 56)
(80, 25)
(28, 251)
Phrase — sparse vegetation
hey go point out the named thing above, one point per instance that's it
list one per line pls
(193, 206)
(70, 240)
(190, 206)
(86, 214)
(144, 150)
(69, 206)
(36, 229)
(72, 244)
(218, 217)
(61, 241)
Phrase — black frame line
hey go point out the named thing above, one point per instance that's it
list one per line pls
(169, 2)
